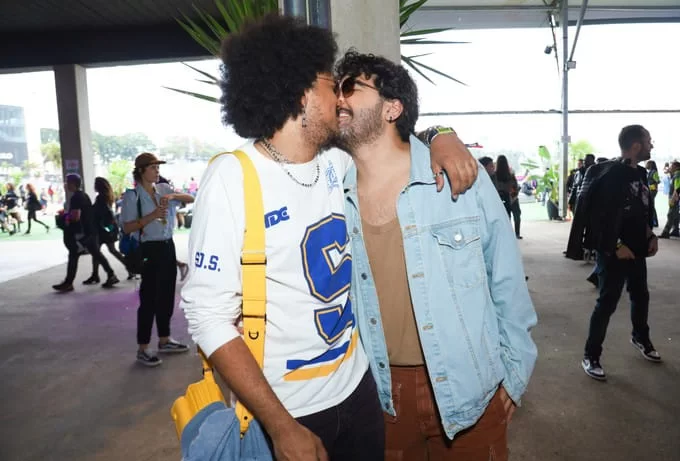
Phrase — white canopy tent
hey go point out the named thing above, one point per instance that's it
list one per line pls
(487, 14)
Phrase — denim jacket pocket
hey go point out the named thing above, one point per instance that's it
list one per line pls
(460, 248)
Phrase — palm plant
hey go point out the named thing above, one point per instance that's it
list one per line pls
(209, 31)
(547, 180)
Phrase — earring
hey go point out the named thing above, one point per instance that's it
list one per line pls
(390, 119)
(304, 118)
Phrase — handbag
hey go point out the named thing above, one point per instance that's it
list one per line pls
(132, 247)
(203, 422)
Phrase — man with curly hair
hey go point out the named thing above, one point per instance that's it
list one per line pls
(438, 287)
(314, 397)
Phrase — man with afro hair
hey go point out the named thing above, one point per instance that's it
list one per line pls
(314, 397)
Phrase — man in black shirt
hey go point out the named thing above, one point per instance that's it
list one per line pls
(80, 232)
(620, 217)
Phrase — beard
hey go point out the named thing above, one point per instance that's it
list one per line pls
(320, 133)
(365, 127)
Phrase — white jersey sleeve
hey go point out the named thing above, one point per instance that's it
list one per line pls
(211, 296)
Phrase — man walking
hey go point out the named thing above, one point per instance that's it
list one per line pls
(81, 232)
(614, 208)
(314, 397)
(438, 288)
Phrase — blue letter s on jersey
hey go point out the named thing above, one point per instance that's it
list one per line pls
(326, 278)
(328, 271)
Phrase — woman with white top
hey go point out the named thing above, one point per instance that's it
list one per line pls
(149, 210)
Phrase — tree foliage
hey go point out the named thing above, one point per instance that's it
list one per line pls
(119, 174)
(123, 147)
(17, 176)
(578, 150)
(49, 135)
(51, 152)
(185, 147)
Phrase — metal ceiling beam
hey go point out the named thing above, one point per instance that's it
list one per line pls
(130, 45)
(672, 8)
(584, 7)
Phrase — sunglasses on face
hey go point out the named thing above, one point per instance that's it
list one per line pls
(347, 85)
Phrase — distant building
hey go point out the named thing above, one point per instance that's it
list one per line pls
(13, 146)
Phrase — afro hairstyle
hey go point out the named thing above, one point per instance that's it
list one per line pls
(266, 68)
(391, 80)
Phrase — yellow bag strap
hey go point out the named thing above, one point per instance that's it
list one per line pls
(253, 272)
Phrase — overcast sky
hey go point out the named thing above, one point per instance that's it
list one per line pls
(618, 67)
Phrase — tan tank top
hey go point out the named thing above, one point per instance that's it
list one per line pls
(385, 248)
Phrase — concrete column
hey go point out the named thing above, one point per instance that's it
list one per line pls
(369, 26)
(75, 135)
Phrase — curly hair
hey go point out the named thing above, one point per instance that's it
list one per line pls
(266, 69)
(392, 82)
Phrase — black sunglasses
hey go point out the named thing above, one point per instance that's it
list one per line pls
(346, 87)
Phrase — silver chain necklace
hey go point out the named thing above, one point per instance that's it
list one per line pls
(282, 161)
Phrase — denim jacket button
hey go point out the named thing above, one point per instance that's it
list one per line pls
(381, 365)
(457, 237)
(364, 276)
(387, 406)
(355, 230)
(373, 321)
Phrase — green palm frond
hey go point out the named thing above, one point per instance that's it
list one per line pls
(418, 37)
(209, 31)
(204, 97)
(210, 77)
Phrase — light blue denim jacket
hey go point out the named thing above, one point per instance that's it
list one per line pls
(472, 305)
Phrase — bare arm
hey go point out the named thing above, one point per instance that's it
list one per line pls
(184, 198)
(240, 371)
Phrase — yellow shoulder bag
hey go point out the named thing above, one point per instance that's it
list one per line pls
(253, 264)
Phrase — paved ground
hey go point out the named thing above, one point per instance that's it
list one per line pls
(70, 389)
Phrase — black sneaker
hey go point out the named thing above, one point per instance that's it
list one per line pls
(647, 350)
(110, 281)
(148, 359)
(593, 368)
(91, 281)
(172, 347)
(63, 287)
(592, 278)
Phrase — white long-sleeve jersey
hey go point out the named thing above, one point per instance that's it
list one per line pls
(313, 357)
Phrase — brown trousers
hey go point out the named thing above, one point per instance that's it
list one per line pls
(416, 433)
